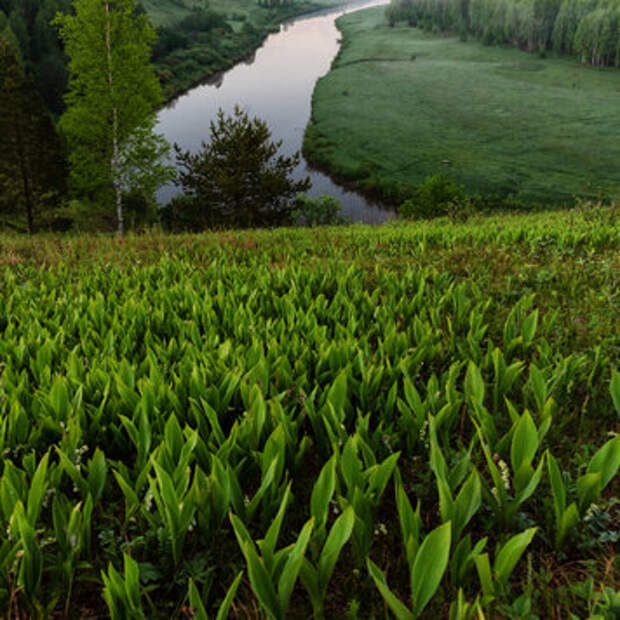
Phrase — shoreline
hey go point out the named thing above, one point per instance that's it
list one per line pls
(307, 10)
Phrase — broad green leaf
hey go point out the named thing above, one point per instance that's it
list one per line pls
(268, 545)
(292, 567)
(474, 384)
(97, 471)
(336, 540)
(483, 566)
(528, 329)
(467, 503)
(510, 554)
(589, 487)
(429, 566)
(557, 486)
(323, 491)
(606, 461)
(524, 441)
(36, 493)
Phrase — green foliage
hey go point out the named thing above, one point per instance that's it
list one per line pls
(437, 196)
(113, 93)
(451, 118)
(588, 30)
(238, 180)
(32, 167)
(291, 405)
(321, 211)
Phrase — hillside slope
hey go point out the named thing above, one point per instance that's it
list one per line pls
(174, 409)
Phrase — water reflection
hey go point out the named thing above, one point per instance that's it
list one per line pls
(275, 84)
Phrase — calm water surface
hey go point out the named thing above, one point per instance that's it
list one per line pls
(275, 84)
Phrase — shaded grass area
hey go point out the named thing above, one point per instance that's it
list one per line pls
(497, 120)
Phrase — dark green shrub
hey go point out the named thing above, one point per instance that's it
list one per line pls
(321, 211)
(437, 196)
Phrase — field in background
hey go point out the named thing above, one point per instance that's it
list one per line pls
(400, 105)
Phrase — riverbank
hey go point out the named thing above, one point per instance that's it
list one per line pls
(193, 47)
(400, 105)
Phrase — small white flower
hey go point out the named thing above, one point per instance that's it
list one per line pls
(505, 471)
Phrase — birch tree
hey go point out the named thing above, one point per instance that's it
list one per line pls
(111, 102)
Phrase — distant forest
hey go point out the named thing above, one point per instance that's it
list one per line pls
(587, 29)
(27, 24)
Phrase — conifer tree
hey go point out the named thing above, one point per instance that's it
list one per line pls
(32, 170)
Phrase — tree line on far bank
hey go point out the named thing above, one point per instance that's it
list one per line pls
(587, 29)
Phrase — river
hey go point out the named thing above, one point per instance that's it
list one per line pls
(276, 85)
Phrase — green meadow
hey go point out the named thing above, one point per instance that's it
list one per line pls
(300, 423)
(400, 105)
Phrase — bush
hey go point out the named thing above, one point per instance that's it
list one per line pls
(437, 196)
(321, 211)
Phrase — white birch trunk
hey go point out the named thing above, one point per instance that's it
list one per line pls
(115, 161)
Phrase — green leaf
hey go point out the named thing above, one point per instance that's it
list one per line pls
(132, 581)
(524, 441)
(606, 461)
(568, 520)
(467, 503)
(268, 545)
(292, 567)
(224, 609)
(528, 329)
(474, 384)
(614, 388)
(380, 476)
(410, 522)
(323, 491)
(510, 554)
(337, 394)
(589, 487)
(36, 493)
(97, 471)
(195, 600)
(260, 580)
(397, 607)
(429, 566)
(483, 567)
(557, 487)
(338, 536)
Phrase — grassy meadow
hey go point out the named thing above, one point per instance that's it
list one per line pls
(400, 105)
(297, 423)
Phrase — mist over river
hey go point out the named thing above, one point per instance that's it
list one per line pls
(276, 85)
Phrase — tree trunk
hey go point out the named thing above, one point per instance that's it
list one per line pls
(115, 161)
(23, 168)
